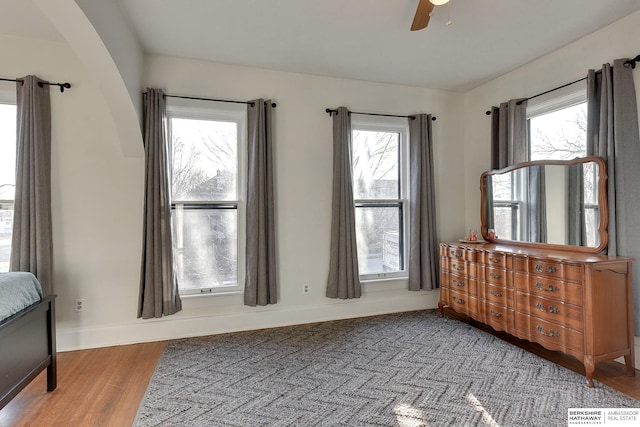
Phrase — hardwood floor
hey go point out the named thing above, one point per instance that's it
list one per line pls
(97, 387)
(104, 386)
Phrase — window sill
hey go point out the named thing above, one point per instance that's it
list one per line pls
(211, 294)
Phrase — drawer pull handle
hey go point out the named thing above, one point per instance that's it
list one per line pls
(494, 259)
(458, 283)
(458, 253)
(550, 269)
(458, 267)
(495, 293)
(551, 333)
(493, 313)
(552, 309)
(458, 300)
(550, 288)
(495, 275)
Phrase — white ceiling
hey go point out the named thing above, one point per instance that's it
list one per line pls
(357, 39)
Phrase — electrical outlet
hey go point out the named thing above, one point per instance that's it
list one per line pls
(305, 288)
(80, 304)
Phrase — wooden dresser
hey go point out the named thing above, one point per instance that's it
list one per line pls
(572, 302)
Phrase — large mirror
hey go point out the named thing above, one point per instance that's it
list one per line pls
(547, 203)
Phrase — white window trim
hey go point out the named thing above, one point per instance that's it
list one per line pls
(400, 125)
(209, 110)
(557, 100)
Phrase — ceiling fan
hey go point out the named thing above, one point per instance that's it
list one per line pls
(423, 13)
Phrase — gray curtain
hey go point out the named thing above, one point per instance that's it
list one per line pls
(31, 242)
(261, 278)
(509, 142)
(423, 241)
(612, 133)
(344, 277)
(158, 283)
(509, 146)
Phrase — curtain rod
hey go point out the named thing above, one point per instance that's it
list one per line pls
(196, 98)
(628, 63)
(62, 86)
(331, 112)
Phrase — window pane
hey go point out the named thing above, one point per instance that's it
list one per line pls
(560, 134)
(7, 180)
(6, 225)
(205, 159)
(375, 165)
(502, 186)
(206, 251)
(378, 231)
(505, 217)
(7, 151)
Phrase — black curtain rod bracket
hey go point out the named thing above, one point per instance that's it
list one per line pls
(62, 86)
(632, 62)
(331, 112)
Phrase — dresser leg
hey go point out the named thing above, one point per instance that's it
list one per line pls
(441, 308)
(629, 363)
(589, 367)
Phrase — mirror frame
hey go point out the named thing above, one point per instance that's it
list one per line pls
(602, 203)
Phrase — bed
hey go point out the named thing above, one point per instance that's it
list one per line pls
(27, 334)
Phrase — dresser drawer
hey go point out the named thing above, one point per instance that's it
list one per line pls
(550, 310)
(559, 270)
(494, 276)
(549, 288)
(497, 294)
(454, 252)
(498, 317)
(460, 267)
(463, 303)
(458, 283)
(497, 259)
(550, 335)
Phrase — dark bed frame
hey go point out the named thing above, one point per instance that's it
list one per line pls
(27, 347)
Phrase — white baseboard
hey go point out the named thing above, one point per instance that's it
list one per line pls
(170, 327)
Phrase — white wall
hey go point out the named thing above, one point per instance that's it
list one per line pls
(97, 195)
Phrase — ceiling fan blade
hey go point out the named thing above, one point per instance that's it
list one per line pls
(421, 20)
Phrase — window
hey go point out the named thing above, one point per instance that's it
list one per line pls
(508, 204)
(208, 187)
(7, 175)
(558, 128)
(380, 187)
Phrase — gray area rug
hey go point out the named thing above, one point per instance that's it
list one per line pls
(408, 369)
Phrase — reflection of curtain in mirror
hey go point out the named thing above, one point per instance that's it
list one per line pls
(576, 224)
(488, 206)
(537, 205)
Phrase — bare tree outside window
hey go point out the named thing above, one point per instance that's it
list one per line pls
(379, 207)
(205, 202)
(7, 180)
(560, 134)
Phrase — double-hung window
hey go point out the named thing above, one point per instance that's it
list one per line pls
(558, 131)
(380, 190)
(208, 151)
(7, 173)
